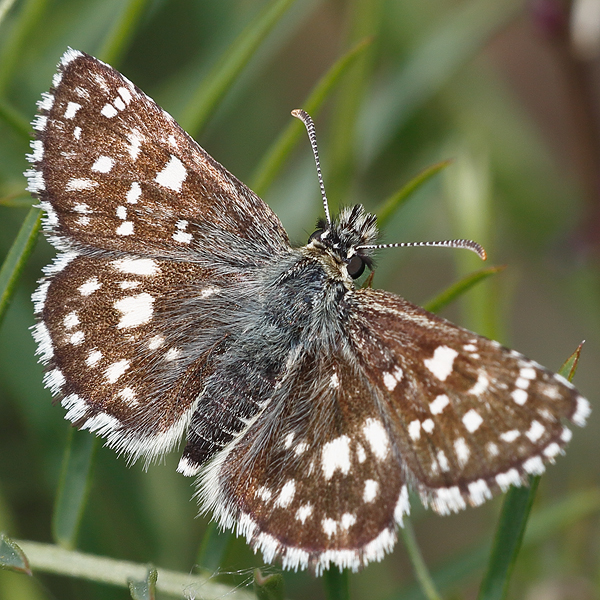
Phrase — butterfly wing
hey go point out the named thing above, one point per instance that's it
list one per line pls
(402, 397)
(315, 478)
(115, 172)
(468, 416)
(158, 244)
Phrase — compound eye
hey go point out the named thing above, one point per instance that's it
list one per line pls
(355, 266)
(316, 235)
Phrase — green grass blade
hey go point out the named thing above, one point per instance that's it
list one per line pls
(274, 158)
(569, 367)
(49, 558)
(388, 207)
(213, 547)
(458, 37)
(223, 74)
(543, 524)
(336, 583)
(508, 540)
(19, 35)
(460, 287)
(363, 19)
(122, 32)
(73, 487)
(422, 574)
(17, 257)
(14, 120)
(512, 523)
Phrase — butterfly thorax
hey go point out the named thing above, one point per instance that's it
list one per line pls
(338, 245)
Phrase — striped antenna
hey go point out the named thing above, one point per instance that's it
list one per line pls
(312, 136)
(468, 244)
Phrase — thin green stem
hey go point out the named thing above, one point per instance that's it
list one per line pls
(275, 156)
(17, 257)
(416, 558)
(122, 32)
(59, 561)
(223, 74)
(337, 584)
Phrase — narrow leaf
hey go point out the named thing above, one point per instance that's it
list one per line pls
(49, 558)
(17, 256)
(223, 74)
(507, 541)
(15, 120)
(73, 487)
(511, 526)
(12, 558)
(336, 583)
(145, 589)
(275, 156)
(543, 524)
(416, 558)
(399, 198)
(122, 32)
(460, 287)
(270, 587)
(213, 547)
(569, 367)
(17, 37)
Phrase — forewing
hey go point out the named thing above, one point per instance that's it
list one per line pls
(314, 479)
(114, 171)
(469, 416)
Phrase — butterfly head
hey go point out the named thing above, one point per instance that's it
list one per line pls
(344, 237)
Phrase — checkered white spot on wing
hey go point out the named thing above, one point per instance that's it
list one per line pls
(314, 479)
(469, 417)
(114, 171)
(130, 311)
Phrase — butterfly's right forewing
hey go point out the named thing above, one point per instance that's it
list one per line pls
(469, 417)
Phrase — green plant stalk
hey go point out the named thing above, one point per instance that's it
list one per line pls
(508, 540)
(422, 573)
(59, 561)
(512, 523)
(388, 207)
(362, 20)
(336, 583)
(543, 524)
(17, 257)
(116, 42)
(15, 121)
(73, 487)
(12, 49)
(273, 159)
(460, 287)
(223, 74)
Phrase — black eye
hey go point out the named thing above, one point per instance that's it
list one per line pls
(356, 266)
(315, 236)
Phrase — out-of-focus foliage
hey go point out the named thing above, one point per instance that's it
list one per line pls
(494, 86)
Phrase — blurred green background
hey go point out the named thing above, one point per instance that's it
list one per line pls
(508, 89)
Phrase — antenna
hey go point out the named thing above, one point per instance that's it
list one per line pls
(312, 136)
(468, 244)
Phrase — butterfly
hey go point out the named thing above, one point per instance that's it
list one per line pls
(177, 307)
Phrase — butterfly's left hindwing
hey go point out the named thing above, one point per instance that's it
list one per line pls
(315, 479)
